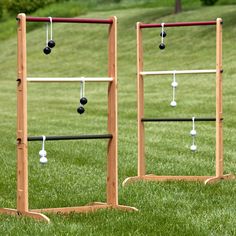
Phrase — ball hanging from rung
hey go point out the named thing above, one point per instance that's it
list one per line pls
(51, 43)
(83, 100)
(173, 103)
(163, 34)
(162, 46)
(193, 148)
(174, 84)
(80, 110)
(43, 159)
(47, 50)
(42, 153)
(193, 132)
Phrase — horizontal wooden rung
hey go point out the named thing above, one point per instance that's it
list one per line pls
(176, 24)
(80, 79)
(171, 72)
(177, 119)
(70, 137)
(68, 20)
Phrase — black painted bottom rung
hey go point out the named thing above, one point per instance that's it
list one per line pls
(176, 119)
(70, 137)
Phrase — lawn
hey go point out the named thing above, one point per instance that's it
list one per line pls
(76, 170)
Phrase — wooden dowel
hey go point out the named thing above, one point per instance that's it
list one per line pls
(176, 119)
(219, 101)
(176, 24)
(140, 103)
(70, 137)
(171, 72)
(81, 79)
(68, 20)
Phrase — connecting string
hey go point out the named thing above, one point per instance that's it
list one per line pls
(43, 144)
(193, 119)
(43, 153)
(50, 18)
(174, 86)
(162, 32)
(173, 94)
(193, 141)
(82, 89)
(193, 134)
(46, 34)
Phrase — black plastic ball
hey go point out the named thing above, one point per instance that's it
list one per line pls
(162, 46)
(83, 100)
(163, 34)
(80, 110)
(51, 44)
(47, 50)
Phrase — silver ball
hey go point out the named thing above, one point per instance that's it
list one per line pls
(174, 84)
(193, 148)
(43, 160)
(193, 132)
(42, 153)
(173, 103)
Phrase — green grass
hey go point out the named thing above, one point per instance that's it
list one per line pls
(76, 171)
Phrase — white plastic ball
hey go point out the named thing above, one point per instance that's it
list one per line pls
(193, 132)
(174, 84)
(173, 103)
(42, 153)
(43, 160)
(193, 148)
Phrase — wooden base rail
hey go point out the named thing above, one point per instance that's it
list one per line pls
(37, 214)
(165, 178)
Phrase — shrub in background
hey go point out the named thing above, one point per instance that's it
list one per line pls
(208, 2)
(27, 6)
(1, 10)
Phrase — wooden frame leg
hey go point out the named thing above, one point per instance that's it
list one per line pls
(30, 214)
(216, 179)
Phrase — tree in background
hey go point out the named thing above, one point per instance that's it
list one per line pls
(1, 9)
(178, 6)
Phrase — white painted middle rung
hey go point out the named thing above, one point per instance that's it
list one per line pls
(171, 72)
(80, 79)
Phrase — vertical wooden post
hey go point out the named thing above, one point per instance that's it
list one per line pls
(219, 106)
(22, 158)
(140, 103)
(112, 159)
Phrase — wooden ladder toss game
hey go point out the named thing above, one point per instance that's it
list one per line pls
(22, 136)
(140, 104)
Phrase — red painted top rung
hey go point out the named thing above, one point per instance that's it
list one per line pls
(69, 20)
(176, 24)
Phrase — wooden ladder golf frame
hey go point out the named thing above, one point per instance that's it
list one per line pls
(140, 103)
(22, 136)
